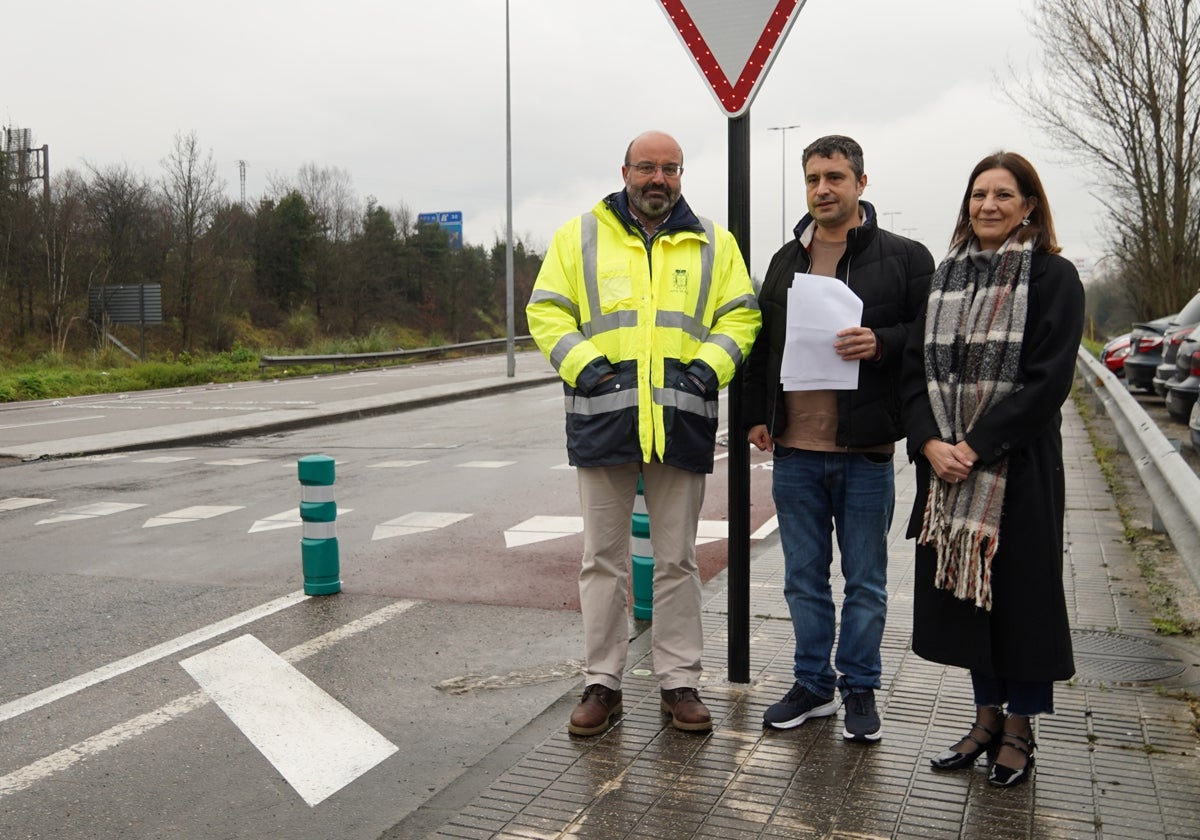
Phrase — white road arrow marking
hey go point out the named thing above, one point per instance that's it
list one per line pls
(315, 742)
(287, 519)
(90, 512)
(124, 732)
(190, 514)
(415, 523)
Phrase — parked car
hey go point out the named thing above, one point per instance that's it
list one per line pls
(1166, 371)
(1194, 426)
(1145, 352)
(1181, 395)
(1175, 334)
(1113, 354)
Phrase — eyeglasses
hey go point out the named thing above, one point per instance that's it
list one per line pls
(669, 170)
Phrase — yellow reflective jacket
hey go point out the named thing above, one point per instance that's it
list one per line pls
(671, 320)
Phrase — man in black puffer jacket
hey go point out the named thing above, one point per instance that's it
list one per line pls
(833, 448)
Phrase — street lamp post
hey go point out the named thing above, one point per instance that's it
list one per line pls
(893, 214)
(509, 312)
(783, 179)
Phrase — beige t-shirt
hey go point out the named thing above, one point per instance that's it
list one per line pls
(812, 416)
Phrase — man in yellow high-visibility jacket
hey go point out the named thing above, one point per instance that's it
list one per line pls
(646, 311)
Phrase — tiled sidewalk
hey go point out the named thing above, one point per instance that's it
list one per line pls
(1120, 759)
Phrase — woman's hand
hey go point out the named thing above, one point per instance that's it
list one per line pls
(951, 462)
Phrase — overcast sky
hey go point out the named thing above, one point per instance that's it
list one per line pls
(408, 97)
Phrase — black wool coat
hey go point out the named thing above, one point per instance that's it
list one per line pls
(1026, 635)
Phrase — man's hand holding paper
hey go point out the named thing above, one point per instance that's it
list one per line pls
(823, 341)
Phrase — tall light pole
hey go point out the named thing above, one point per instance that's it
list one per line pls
(783, 179)
(893, 214)
(510, 316)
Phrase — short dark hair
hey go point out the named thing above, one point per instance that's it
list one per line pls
(837, 144)
(1041, 224)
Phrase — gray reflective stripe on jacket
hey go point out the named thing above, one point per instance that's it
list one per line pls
(693, 325)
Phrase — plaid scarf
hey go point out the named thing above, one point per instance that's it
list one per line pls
(974, 326)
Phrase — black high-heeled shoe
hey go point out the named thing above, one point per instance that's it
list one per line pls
(1003, 776)
(951, 759)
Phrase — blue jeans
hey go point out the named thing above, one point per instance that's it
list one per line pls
(816, 493)
(1023, 698)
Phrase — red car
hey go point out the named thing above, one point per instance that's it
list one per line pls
(1112, 356)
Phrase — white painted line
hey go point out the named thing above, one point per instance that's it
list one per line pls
(287, 519)
(542, 528)
(56, 692)
(53, 422)
(385, 464)
(486, 465)
(428, 519)
(89, 512)
(317, 744)
(190, 514)
(18, 502)
(560, 524)
(64, 759)
(165, 459)
(234, 462)
(769, 527)
(416, 522)
(708, 530)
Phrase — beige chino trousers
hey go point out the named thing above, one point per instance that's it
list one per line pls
(673, 500)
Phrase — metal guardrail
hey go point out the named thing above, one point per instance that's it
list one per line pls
(354, 359)
(1173, 486)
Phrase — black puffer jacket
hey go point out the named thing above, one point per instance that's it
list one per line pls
(891, 275)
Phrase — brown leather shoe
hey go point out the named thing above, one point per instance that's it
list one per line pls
(686, 710)
(596, 710)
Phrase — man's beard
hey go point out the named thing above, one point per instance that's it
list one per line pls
(654, 207)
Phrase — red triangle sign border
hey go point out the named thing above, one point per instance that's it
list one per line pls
(734, 98)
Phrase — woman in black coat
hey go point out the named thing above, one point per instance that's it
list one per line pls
(985, 376)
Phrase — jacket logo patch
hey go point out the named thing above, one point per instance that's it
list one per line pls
(679, 280)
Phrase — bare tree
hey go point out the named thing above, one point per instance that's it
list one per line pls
(64, 232)
(192, 192)
(1120, 93)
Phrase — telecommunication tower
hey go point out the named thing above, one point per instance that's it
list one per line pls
(30, 164)
(242, 174)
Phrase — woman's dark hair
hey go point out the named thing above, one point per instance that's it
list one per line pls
(1041, 224)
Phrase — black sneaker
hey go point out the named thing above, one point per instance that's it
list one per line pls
(797, 706)
(862, 719)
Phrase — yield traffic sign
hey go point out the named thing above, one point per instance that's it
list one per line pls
(732, 44)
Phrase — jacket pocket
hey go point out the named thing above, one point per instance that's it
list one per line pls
(689, 420)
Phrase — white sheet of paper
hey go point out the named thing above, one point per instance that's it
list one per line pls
(817, 308)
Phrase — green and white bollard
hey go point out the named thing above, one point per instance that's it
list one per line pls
(318, 512)
(643, 559)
